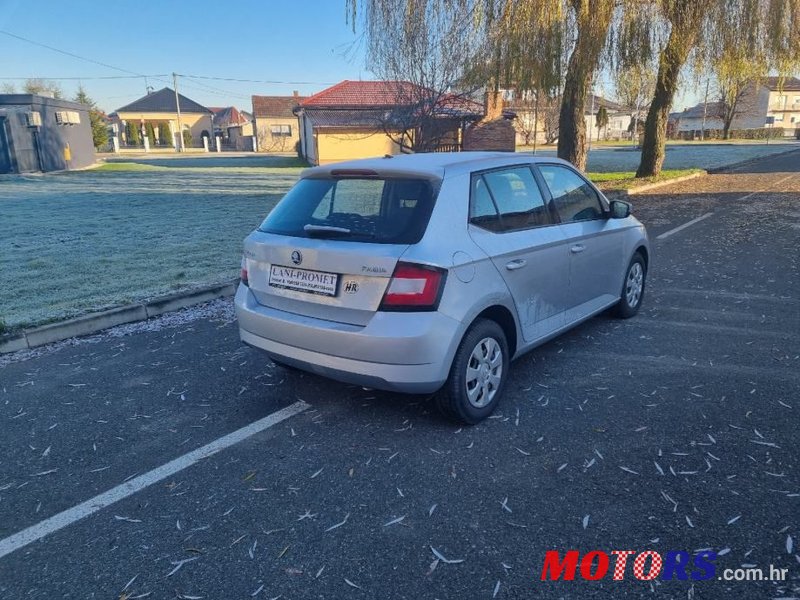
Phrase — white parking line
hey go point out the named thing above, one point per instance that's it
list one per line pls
(69, 516)
(777, 183)
(666, 234)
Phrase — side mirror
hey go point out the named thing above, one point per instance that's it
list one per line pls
(620, 209)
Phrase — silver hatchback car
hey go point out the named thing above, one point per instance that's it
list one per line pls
(431, 272)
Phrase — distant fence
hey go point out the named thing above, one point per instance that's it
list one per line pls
(448, 148)
(241, 144)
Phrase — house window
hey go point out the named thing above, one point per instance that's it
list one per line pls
(277, 130)
(779, 118)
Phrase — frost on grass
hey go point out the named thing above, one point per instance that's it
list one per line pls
(131, 231)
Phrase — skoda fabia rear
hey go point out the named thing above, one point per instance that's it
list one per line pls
(394, 274)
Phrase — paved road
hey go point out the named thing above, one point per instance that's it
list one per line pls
(690, 155)
(676, 430)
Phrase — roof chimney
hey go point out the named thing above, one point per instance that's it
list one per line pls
(493, 105)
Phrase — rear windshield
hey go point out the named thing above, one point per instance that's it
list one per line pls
(384, 211)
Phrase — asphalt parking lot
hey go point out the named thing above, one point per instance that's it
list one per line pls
(675, 430)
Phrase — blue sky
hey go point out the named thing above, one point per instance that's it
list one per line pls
(267, 41)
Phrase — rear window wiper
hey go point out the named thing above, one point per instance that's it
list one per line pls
(324, 230)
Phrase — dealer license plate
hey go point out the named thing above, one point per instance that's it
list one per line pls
(303, 280)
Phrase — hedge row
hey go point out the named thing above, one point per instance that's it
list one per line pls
(759, 133)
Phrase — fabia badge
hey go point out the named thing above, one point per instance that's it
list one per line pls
(297, 258)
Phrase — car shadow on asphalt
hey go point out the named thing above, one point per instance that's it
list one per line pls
(329, 395)
(326, 394)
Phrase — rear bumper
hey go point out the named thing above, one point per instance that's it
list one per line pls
(404, 352)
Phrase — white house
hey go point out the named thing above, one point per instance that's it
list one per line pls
(770, 103)
(619, 119)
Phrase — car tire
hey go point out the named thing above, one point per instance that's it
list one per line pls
(478, 374)
(632, 295)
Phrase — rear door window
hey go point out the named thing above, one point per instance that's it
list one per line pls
(507, 200)
(389, 211)
(573, 196)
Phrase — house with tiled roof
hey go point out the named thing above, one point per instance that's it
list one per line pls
(360, 119)
(276, 125)
(234, 127)
(156, 115)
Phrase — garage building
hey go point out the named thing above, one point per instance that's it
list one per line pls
(38, 133)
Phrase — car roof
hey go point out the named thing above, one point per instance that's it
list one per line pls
(430, 164)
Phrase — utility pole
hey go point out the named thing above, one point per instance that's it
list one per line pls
(178, 110)
(705, 112)
(591, 114)
(535, 122)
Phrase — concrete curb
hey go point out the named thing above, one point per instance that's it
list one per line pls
(94, 322)
(660, 184)
(711, 171)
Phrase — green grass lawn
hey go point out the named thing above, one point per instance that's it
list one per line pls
(624, 180)
(126, 231)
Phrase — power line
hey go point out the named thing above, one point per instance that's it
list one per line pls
(86, 78)
(258, 80)
(210, 89)
(134, 75)
(96, 62)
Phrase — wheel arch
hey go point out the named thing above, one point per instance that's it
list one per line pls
(505, 319)
(642, 249)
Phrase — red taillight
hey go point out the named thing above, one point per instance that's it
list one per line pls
(413, 287)
(243, 273)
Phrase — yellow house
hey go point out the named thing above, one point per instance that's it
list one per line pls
(159, 110)
(359, 119)
(276, 126)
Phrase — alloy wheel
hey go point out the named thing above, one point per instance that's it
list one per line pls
(484, 372)
(634, 284)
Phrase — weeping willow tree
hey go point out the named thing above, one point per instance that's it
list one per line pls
(634, 88)
(704, 32)
(592, 19)
(737, 74)
(428, 52)
(684, 19)
(556, 47)
(552, 47)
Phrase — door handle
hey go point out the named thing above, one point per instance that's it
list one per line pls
(577, 248)
(516, 264)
